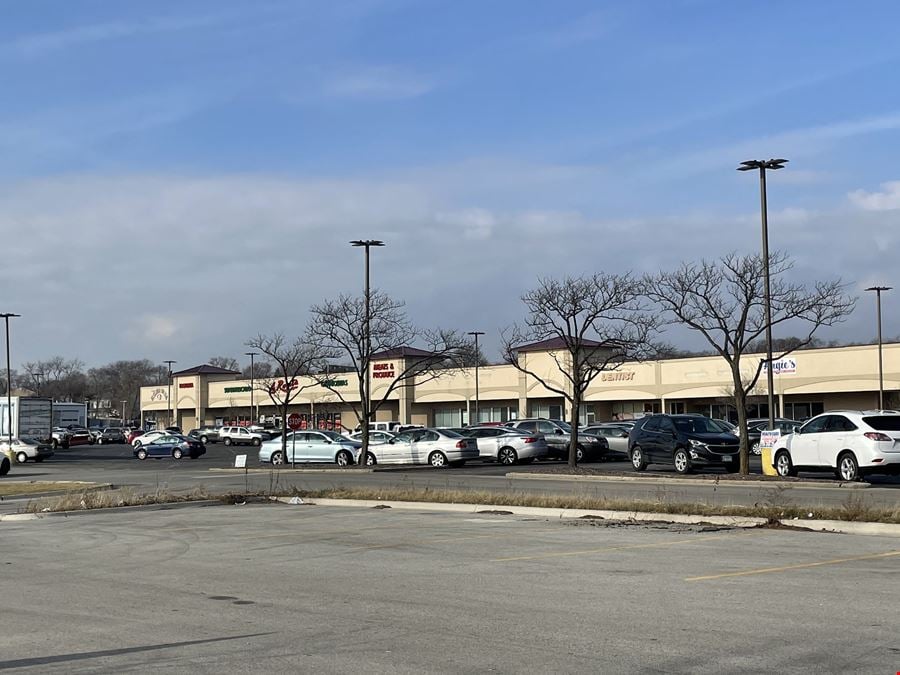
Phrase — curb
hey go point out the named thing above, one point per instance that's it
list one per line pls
(836, 526)
(19, 516)
(75, 486)
(289, 470)
(685, 481)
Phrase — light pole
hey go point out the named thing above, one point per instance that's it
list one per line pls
(253, 415)
(367, 243)
(169, 395)
(878, 290)
(476, 333)
(762, 165)
(123, 412)
(6, 317)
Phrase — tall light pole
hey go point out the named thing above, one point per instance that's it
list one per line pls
(123, 412)
(367, 244)
(878, 290)
(763, 165)
(253, 415)
(6, 317)
(169, 395)
(476, 333)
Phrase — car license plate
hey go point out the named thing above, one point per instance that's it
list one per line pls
(728, 458)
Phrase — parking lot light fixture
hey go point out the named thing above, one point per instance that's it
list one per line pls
(123, 413)
(169, 395)
(6, 317)
(763, 165)
(253, 413)
(367, 244)
(476, 333)
(878, 290)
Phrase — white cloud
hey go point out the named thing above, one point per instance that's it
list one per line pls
(152, 328)
(886, 200)
(376, 83)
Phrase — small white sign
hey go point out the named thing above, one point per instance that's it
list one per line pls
(240, 461)
(768, 439)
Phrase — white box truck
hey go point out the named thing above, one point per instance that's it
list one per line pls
(32, 417)
(69, 415)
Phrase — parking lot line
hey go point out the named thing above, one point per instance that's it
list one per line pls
(562, 554)
(799, 566)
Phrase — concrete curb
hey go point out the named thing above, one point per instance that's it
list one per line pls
(685, 481)
(18, 516)
(846, 527)
(643, 516)
(289, 470)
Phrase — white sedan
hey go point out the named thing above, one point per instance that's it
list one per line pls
(149, 437)
(26, 448)
(437, 447)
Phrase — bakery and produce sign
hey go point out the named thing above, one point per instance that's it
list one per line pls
(383, 371)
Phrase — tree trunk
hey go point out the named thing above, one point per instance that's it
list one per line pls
(573, 422)
(740, 402)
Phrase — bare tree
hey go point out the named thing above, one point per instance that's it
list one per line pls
(261, 370)
(590, 324)
(339, 326)
(121, 381)
(226, 362)
(289, 361)
(58, 378)
(723, 300)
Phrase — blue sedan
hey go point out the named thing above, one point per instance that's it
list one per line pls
(170, 446)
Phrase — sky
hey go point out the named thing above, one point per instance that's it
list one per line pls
(178, 176)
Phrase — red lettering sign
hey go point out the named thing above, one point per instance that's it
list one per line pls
(186, 385)
(281, 386)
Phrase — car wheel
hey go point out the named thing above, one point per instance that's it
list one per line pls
(848, 467)
(4, 466)
(227, 441)
(507, 456)
(343, 458)
(21, 457)
(257, 442)
(277, 458)
(783, 465)
(437, 459)
(682, 461)
(579, 453)
(177, 454)
(99, 441)
(204, 440)
(142, 454)
(55, 444)
(370, 459)
(756, 449)
(638, 461)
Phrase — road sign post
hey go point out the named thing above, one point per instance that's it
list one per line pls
(294, 421)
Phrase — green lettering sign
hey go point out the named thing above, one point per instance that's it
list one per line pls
(236, 390)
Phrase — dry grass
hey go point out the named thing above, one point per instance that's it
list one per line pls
(81, 501)
(19, 488)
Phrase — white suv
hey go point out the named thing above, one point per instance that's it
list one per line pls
(852, 443)
(240, 436)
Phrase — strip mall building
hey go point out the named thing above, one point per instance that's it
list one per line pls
(806, 383)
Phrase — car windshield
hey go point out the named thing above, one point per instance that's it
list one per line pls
(450, 434)
(333, 435)
(697, 425)
(883, 422)
(565, 426)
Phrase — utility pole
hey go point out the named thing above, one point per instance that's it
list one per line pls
(878, 290)
(6, 317)
(169, 395)
(476, 333)
(253, 414)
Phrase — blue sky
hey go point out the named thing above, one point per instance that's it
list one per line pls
(175, 162)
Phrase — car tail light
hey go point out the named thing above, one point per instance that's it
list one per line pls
(877, 436)
(530, 439)
(462, 445)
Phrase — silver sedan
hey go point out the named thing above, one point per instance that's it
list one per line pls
(506, 445)
(615, 435)
(437, 447)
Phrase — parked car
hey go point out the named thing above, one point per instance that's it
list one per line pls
(685, 441)
(241, 436)
(852, 444)
(505, 445)
(557, 434)
(616, 436)
(205, 435)
(27, 448)
(375, 437)
(170, 445)
(755, 428)
(436, 447)
(148, 437)
(96, 432)
(79, 436)
(132, 435)
(311, 446)
(173, 429)
(111, 435)
(5, 465)
(59, 438)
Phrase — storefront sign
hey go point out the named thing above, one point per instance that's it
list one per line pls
(623, 376)
(236, 390)
(159, 395)
(186, 385)
(334, 383)
(383, 370)
(283, 386)
(785, 366)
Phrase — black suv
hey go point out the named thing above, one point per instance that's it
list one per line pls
(557, 434)
(686, 441)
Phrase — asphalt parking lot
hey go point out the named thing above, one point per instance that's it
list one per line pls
(279, 588)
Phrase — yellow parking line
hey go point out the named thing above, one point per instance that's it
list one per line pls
(800, 566)
(561, 554)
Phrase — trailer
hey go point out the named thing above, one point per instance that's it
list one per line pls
(31, 417)
(67, 415)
